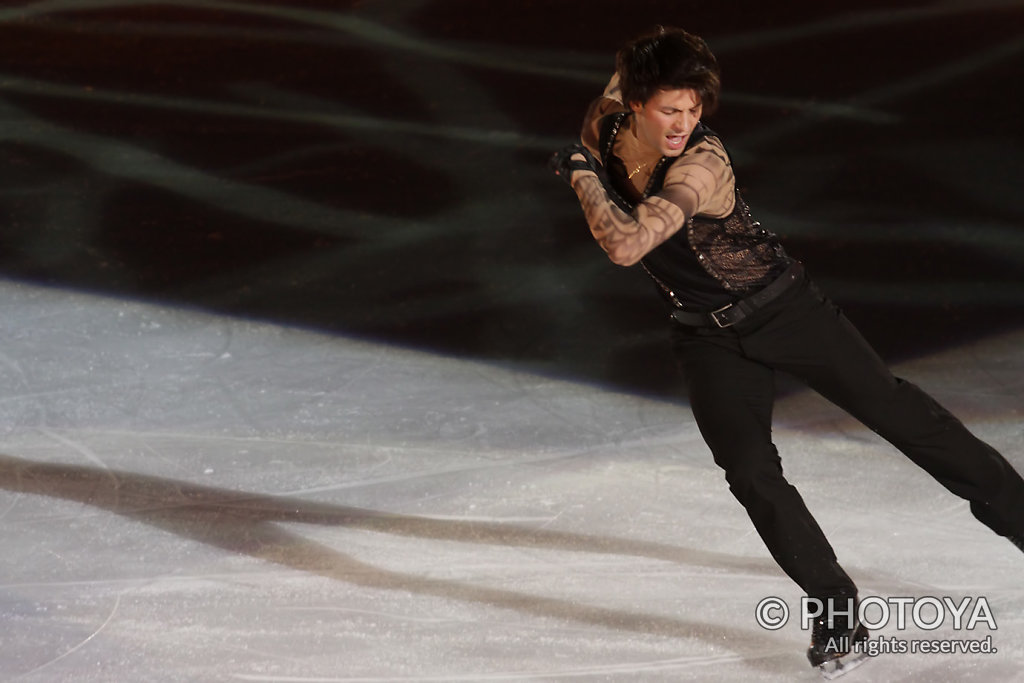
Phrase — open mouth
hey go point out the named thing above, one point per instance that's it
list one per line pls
(675, 141)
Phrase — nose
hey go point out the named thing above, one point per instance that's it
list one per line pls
(685, 122)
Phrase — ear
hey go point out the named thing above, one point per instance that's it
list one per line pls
(636, 106)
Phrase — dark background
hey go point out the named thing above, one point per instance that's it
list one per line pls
(376, 169)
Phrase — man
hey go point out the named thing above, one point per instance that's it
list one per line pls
(657, 188)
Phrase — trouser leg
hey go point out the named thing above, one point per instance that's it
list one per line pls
(732, 399)
(814, 341)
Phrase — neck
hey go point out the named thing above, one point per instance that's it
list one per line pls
(641, 149)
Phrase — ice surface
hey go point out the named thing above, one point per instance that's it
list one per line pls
(190, 497)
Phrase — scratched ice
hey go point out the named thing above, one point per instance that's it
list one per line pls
(190, 497)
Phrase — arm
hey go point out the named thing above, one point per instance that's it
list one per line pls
(609, 102)
(626, 238)
(701, 181)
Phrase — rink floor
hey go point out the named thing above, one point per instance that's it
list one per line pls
(196, 498)
(310, 371)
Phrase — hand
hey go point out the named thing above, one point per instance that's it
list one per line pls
(575, 157)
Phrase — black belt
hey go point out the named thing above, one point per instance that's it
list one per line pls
(729, 315)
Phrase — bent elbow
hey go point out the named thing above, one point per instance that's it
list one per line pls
(624, 258)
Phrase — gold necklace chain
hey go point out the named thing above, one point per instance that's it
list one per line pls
(636, 170)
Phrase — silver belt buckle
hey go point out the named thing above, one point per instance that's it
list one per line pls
(714, 316)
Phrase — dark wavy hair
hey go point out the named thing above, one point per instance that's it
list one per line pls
(668, 59)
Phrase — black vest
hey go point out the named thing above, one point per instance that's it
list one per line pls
(709, 262)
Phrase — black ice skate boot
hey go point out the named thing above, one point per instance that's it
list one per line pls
(834, 649)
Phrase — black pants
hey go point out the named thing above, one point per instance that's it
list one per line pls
(730, 376)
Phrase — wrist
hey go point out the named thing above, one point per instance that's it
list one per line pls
(580, 173)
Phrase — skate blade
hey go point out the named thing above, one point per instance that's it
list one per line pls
(834, 668)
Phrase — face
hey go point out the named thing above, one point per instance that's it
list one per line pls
(666, 120)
